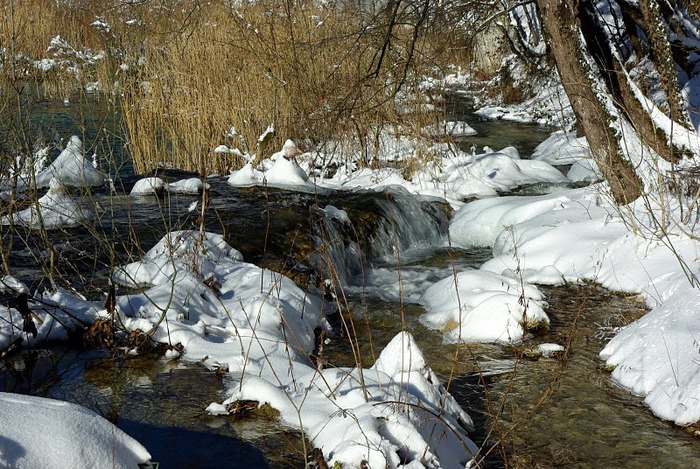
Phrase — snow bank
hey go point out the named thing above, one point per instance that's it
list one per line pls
(584, 170)
(656, 357)
(578, 235)
(451, 174)
(457, 178)
(189, 186)
(157, 186)
(40, 433)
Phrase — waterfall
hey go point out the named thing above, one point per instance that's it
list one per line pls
(374, 228)
(408, 226)
(336, 253)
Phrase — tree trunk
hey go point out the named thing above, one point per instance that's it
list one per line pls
(620, 87)
(589, 97)
(663, 60)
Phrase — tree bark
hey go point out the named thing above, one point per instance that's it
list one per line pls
(589, 97)
(663, 60)
(620, 87)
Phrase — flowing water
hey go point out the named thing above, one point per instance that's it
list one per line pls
(539, 412)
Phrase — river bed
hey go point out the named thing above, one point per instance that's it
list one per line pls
(585, 420)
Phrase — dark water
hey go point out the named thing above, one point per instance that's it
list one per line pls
(495, 134)
(160, 403)
(94, 118)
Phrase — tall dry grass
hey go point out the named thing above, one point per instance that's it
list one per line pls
(185, 73)
(312, 72)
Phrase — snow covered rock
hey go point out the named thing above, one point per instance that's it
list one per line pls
(148, 186)
(189, 186)
(480, 306)
(71, 168)
(42, 433)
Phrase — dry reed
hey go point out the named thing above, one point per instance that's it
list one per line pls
(186, 73)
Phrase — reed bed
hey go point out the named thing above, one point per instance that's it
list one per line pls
(189, 76)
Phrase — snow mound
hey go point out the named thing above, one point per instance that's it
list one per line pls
(148, 186)
(276, 171)
(55, 315)
(56, 209)
(579, 235)
(39, 433)
(656, 357)
(480, 306)
(562, 148)
(584, 170)
(71, 168)
(385, 415)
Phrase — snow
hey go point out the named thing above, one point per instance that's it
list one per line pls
(191, 186)
(550, 350)
(259, 326)
(373, 415)
(193, 289)
(584, 170)
(148, 186)
(480, 306)
(154, 185)
(656, 357)
(56, 209)
(457, 176)
(562, 148)
(276, 171)
(71, 168)
(40, 433)
(532, 241)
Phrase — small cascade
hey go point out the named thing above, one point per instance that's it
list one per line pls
(336, 253)
(374, 228)
(408, 226)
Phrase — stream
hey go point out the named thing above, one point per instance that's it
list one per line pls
(583, 421)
